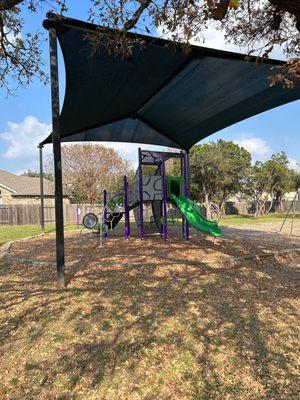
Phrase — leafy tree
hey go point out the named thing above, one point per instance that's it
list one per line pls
(257, 25)
(269, 181)
(218, 170)
(281, 178)
(88, 169)
(297, 181)
(258, 185)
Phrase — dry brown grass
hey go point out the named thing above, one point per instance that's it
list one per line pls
(182, 327)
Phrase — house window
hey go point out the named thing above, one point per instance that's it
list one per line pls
(1, 197)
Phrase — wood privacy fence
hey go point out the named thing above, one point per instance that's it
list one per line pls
(25, 214)
(295, 206)
(248, 207)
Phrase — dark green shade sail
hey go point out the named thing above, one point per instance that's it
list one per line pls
(160, 94)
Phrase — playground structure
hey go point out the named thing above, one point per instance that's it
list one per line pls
(160, 192)
(160, 95)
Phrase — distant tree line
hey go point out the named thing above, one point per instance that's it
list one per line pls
(35, 174)
(220, 171)
(223, 170)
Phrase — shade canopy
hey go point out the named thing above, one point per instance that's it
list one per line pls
(160, 94)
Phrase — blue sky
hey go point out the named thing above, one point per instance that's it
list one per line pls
(25, 118)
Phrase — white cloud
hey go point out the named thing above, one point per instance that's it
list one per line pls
(294, 164)
(211, 37)
(214, 38)
(127, 150)
(23, 138)
(21, 171)
(130, 150)
(256, 146)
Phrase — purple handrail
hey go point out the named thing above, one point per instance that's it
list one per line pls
(164, 199)
(142, 233)
(126, 209)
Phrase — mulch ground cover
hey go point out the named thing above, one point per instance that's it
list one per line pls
(152, 319)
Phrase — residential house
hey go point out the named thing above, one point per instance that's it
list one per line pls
(22, 189)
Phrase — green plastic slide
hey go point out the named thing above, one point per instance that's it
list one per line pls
(192, 213)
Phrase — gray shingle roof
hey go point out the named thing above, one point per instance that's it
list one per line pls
(24, 185)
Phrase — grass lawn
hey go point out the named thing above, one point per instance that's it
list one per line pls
(11, 233)
(249, 219)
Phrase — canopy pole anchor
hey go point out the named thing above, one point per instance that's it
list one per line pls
(56, 140)
(142, 232)
(42, 212)
(186, 188)
(164, 199)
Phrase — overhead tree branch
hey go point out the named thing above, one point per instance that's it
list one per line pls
(255, 25)
(8, 4)
(132, 21)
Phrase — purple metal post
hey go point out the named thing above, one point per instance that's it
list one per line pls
(186, 190)
(104, 209)
(141, 195)
(182, 174)
(188, 175)
(126, 209)
(164, 199)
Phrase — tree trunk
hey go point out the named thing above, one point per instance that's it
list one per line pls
(256, 214)
(262, 207)
(221, 208)
(280, 205)
(259, 207)
(207, 206)
(271, 205)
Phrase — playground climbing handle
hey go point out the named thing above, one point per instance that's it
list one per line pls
(193, 215)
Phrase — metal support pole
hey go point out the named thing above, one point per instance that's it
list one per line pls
(186, 190)
(293, 216)
(288, 213)
(142, 233)
(182, 174)
(104, 210)
(164, 200)
(56, 139)
(42, 213)
(188, 174)
(126, 209)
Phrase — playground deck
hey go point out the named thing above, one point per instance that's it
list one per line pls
(152, 319)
